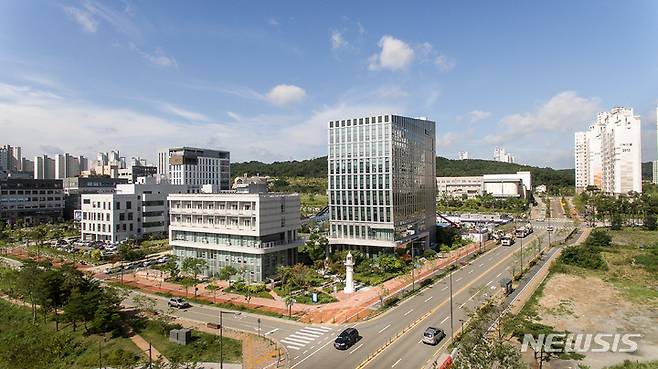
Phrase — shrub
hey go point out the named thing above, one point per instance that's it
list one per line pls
(584, 257)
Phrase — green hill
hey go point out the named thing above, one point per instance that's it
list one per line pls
(317, 168)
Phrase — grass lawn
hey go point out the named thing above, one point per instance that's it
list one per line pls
(227, 306)
(154, 246)
(313, 200)
(204, 346)
(27, 345)
(263, 294)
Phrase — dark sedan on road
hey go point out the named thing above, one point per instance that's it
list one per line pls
(346, 339)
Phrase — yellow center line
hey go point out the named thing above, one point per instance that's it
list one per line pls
(433, 310)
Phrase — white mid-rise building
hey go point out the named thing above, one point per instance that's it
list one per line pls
(608, 154)
(513, 185)
(253, 232)
(463, 155)
(459, 187)
(501, 155)
(131, 212)
(195, 167)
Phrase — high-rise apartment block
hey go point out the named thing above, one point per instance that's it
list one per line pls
(501, 155)
(463, 155)
(11, 159)
(195, 167)
(381, 184)
(655, 162)
(608, 154)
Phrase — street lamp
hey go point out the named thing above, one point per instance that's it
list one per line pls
(221, 336)
(462, 321)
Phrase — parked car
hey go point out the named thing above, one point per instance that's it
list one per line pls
(433, 336)
(346, 339)
(179, 303)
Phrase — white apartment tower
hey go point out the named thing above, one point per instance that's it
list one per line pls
(195, 167)
(501, 155)
(655, 162)
(463, 155)
(382, 187)
(608, 154)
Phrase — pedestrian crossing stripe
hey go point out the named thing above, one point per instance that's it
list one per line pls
(299, 339)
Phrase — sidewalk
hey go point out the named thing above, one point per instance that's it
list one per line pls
(348, 308)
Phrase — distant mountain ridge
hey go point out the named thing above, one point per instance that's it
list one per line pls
(317, 168)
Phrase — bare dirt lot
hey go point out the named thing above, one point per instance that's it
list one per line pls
(587, 304)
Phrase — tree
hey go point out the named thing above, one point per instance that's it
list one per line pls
(193, 266)
(389, 263)
(315, 247)
(382, 292)
(171, 266)
(227, 272)
(650, 222)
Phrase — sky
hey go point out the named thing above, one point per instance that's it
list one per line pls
(262, 79)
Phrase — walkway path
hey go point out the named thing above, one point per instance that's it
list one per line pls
(144, 347)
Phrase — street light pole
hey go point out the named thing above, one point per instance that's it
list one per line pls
(413, 268)
(221, 336)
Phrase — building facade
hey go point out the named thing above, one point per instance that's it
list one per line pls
(608, 154)
(253, 232)
(381, 182)
(75, 187)
(463, 155)
(44, 167)
(195, 167)
(133, 172)
(133, 211)
(501, 155)
(459, 187)
(31, 200)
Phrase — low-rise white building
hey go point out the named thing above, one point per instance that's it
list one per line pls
(253, 232)
(131, 212)
(518, 185)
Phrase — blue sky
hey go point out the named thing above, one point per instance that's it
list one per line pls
(262, 79)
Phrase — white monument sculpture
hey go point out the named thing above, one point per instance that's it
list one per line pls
(349, 273)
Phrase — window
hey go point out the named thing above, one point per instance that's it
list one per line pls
(118, 206)
(129, 205)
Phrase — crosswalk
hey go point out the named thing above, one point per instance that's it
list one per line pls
(303, 337)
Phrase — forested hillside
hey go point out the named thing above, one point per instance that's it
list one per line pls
(317, 168)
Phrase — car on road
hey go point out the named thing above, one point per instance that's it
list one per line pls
(346, 339)
(433, 336)
(179, 303)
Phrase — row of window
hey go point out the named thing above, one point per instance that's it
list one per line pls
(377, 214)
(360, 166)
(362, 198)
(30, 192)
(361, 231)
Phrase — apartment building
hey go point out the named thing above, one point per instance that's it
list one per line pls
(254, 232)
(608, 154)
(31, 200)
(44, 167)
(381, 182)
(131, 212)
(195, 167)
(501, 155)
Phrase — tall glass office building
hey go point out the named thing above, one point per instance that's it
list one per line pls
(382, 187)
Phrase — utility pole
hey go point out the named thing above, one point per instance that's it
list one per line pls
(221, 336)
(150, 358)
(258, 327)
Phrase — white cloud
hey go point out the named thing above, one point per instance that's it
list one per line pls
(157, 57)
(26, 113)
(286, 94)
(446, 140)
(445, 63)
(395, 55)
(83, 18)
(183, 113)
(478, 115)
(564, 112)
(337, 40)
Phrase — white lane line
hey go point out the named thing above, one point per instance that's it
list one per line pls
(305, 351)
(458, 279)
(272, 331)
(420, 341)
(507, 268)
(444, 320)
(396, 363)
(296, 357)
(357, 347)
(287, 342)
(301, 337)
(462, 305)
(303, 342)
(321, 329)
(407, 313)
(429, 298)
(499, 274)
(470, 271)
(471, 298)
(309, 334)
(490, 282)
(444, 288)
(383, 329)
(293, 347)
(481, 265)
(311, 354)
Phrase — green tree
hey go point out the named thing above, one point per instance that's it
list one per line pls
(227, 272)
(194, 266)
(315, 247)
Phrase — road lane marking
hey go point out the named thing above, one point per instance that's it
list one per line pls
(357, 347)
(444, 320)
(499, 274)
(488, 283)
(458, 279)
(470, 271)
(272, 331)
(318, 329)
(429, 298)
(396, 363)
(383, 329)
(471, 298)
(296, 357)
(301, 337)
(407, 313)
(311, 354)
(481, 265)
(293, 347)
(444, 288)
(462, 305)
(306, 333)
(295, 341)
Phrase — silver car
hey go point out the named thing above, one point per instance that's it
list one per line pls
(433, 336)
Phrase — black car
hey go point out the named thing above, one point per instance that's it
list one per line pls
(346, 339)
